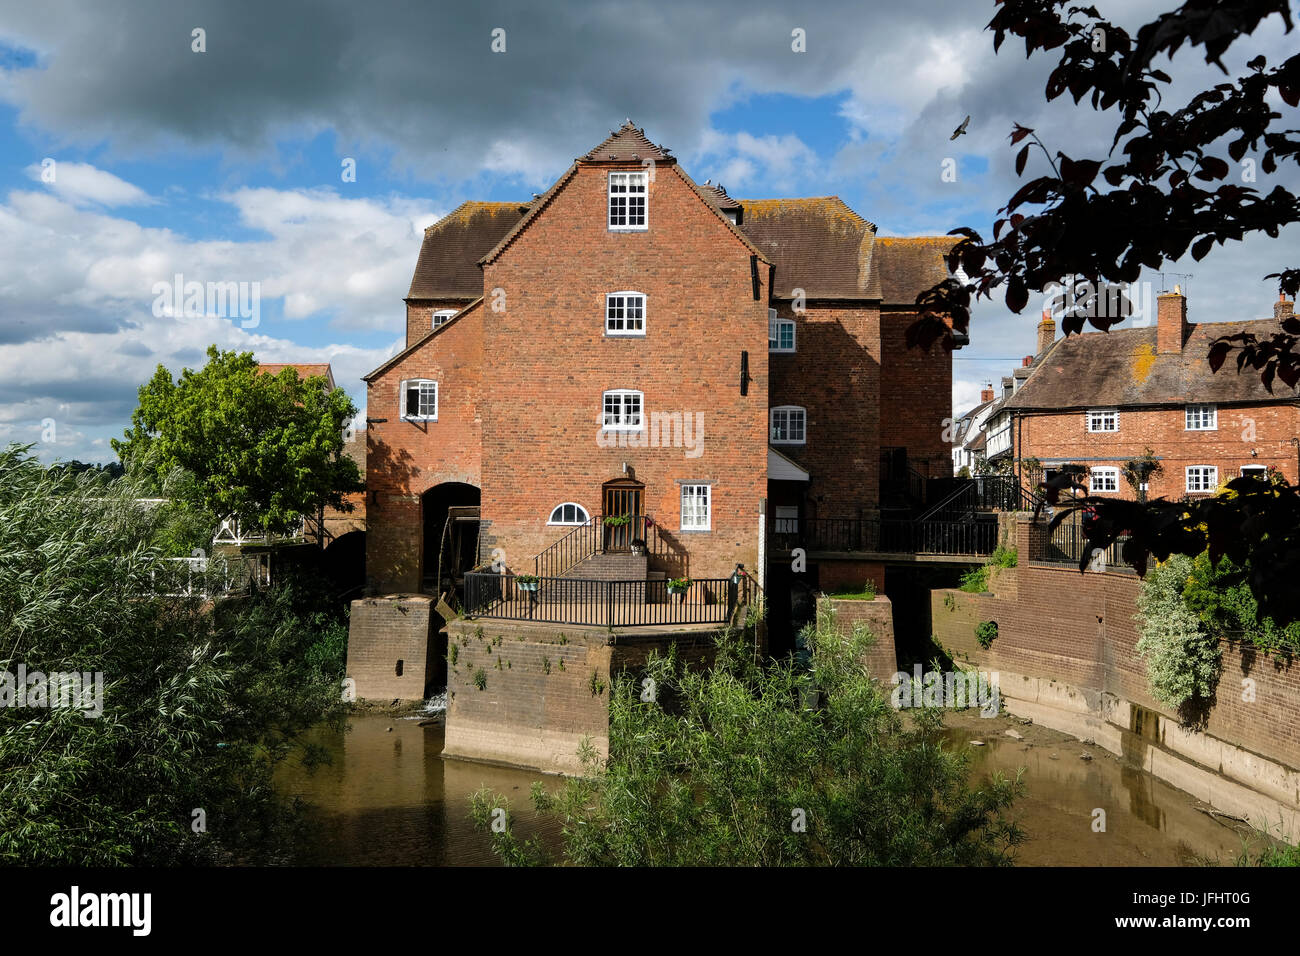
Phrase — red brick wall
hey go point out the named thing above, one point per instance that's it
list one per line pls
(419, 316)
(382, 632)
(548, 361)
(405, 459)
(915, 397)
(835, 375)
(1266, 429)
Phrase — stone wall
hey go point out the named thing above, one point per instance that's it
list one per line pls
(390, 643)
(528, 694)
(878, 618)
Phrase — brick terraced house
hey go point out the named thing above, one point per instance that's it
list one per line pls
(632, 343)
(1101, 399)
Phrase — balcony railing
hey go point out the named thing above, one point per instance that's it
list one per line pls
(596, 537)
(1066, 546)
(604, 603)
(886, 536)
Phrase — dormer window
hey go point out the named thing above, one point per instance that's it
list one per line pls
(625, 313)
(442, 317)
(627, 201)
(420, 400)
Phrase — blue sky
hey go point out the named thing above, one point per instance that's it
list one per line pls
(225, 164)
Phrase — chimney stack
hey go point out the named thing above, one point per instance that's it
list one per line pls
(1171, 321)
(1027, 361)
(1046, 332)
(986, 394)
(1283, 308)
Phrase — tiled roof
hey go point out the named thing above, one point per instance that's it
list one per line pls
(305, 370)
(1122, 367)
(719, 195)
(448, 263)
(908, 265)
(819, 245)
(625, 144)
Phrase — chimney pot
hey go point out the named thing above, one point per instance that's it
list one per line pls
(1046, 332)
(1027, 361)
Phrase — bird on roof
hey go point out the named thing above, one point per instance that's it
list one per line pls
(961, 130)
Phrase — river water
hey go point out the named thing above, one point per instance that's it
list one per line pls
(389, 799)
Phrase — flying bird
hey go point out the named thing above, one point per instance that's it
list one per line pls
(960, 130)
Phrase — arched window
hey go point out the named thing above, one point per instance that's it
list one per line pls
(569, 513)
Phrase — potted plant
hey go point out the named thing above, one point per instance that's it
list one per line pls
(678, 586)
(527, 582)
(638, 546)
(617, 521)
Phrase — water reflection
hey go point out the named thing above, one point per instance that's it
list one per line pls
(388, 798)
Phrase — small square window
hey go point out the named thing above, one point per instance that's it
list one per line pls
(1202, 418)
(1255, 471)
(621, 411)
(625, 313)
(1102, 480)
(1202, 479)
(420, 400)
(788, 425)
(1103, 420)
(780, 333)
(697, 511)
(442, 317)
(785, 519)
(627, 200)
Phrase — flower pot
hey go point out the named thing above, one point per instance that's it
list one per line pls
(527, 585)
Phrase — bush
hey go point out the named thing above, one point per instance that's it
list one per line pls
(1003, 557)
(976, 580)
(1182, 658)
(1219, 595)
(199, 701)
(725, 767)
(985, 632)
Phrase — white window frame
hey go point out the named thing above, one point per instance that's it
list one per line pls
(621, 426)
(1206, 487)
(771, 425)
(785, 519)
(692, 489)
(1109, 474)
(1262, 469)
(1201, 418)
(625, 319)
(774, 326)
(418, 382)
(577, 522)
(1097, 417)
(445, 314)
(626, 180)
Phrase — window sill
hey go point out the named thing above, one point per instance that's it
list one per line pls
(628, 228)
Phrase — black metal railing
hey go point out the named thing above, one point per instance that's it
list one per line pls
(1067, 543)
(554, 600)
(887, 536)
(984, 494)
(599, 536)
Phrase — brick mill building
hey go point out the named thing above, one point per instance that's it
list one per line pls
(1100, 399)
(633, 343)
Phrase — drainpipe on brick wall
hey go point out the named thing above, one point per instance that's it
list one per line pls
(762, 543)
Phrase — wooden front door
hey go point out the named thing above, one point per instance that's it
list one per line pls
(622, 498)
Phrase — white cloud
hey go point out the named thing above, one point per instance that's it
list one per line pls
(84, 184)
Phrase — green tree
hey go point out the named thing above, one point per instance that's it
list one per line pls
(199, 701)
(1182, 657)
(726, 767)
(267, 449)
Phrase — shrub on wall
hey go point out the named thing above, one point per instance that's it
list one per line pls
(1182, 658)
(1219, 595)
(985, 632)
